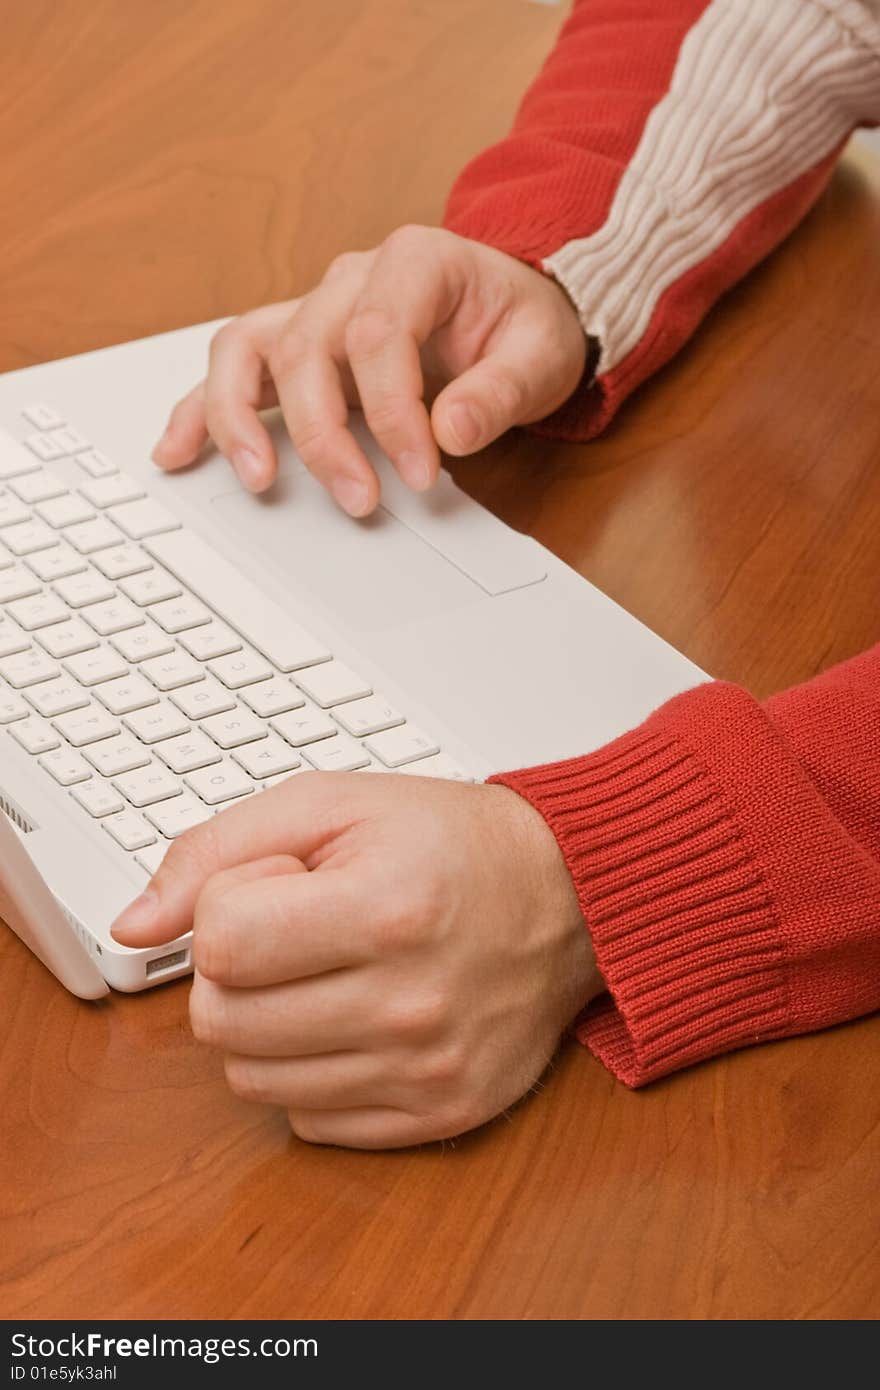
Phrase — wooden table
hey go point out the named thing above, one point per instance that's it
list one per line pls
(166, 163)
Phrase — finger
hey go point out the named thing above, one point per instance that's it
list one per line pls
(306, 365)
(325, 1081)
(186, 432)
(294, 817)
(327, 1013)
(188, 426)
(370, 1127)
(251, 931)
(235, 390)
(409, 292)
(510, 386)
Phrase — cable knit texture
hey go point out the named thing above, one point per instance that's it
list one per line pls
(727, 861)
(665, 149)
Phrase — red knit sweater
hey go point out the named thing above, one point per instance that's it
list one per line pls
(726, 854)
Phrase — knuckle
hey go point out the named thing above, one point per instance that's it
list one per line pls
(386, 414)
(418, 1016)
(229, 333)
(289, 351)
(344, 265)
(369, 329)
(407, 238)
(441, 1068)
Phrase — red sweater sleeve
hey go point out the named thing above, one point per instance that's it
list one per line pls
(726, 856)
(666, 147)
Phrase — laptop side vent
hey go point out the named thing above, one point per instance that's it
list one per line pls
(16, 814)
(92, 946)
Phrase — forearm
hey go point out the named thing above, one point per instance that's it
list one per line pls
(727, 861)
(665, 149)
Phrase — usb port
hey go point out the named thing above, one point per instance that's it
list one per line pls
(161, 963)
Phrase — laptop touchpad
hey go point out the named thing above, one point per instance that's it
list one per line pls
(373, 574)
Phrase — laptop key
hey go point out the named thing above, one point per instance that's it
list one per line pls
(147, 784)
(120, 561)
(115, 755)
(272, 697)
(40, 610)
(188, 752)
(66, 510)
(90, 668)
(142, 643)
(143, 518)
(96, 464)
(171, 671)
(111, 491)
(210, 640)
(368, 716)
(58, 563)
(332, 683)
(56, 697)
(203, 699)
(151, 857)
(16, 583)
(34, 735)
(267, 758)
(303, 726)
(29, 536)
(150, 586)
(14, 458)
(112, 616)
(11, 707)
(172, 818)
(98, 798)
(37, 487)
(67, 639)
(27, 668)
(87, 725)
(234, 728)
(12, 639)
(158, 722)
(12, 511)
(129, 830)
(223, 782)
(80, 589)
(339, 754)
(66, 767)
(44, 447)
(43, 416)
(405, 744)
(89, 536)
(126, 694)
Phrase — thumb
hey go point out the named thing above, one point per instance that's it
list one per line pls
(516, 383)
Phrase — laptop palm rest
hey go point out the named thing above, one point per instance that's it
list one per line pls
(416, 557)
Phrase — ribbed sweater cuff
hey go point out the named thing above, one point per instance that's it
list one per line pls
(681, 921)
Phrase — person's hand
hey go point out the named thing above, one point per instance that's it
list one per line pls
(391, 959)
(383, 330)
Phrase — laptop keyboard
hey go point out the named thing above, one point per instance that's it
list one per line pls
(145, 674)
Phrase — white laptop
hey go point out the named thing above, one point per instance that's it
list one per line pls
(170, 644)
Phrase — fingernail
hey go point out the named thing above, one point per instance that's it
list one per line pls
(352, 494)
(416, 469)
(140, 914)
(465, 425)
(250, 468)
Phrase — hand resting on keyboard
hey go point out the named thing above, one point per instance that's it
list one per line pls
(392, 960)
(426, 310)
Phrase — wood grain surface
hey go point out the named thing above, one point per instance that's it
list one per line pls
(168, 163)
